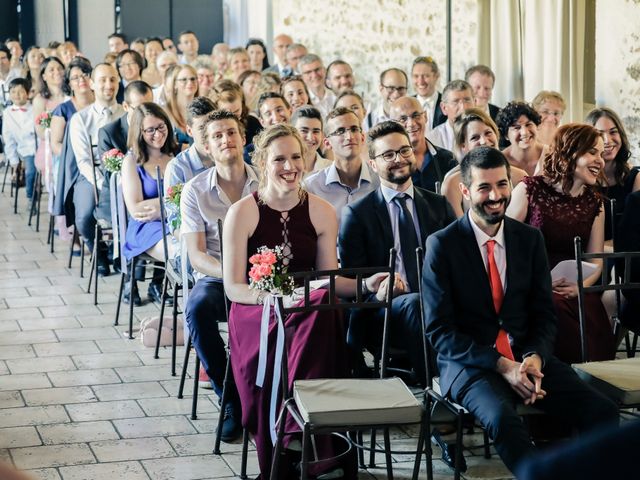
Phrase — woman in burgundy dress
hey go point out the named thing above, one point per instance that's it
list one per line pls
(563, 203)
(281, 213)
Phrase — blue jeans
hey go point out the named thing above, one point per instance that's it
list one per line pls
(29, 173)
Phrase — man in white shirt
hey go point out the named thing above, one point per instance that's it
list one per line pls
(393, 85)
(314, 75)
(457, 96)
(340, 77)
(280, 44)
(188, 45)
(205, 199)
(83, 135)
(425, 75)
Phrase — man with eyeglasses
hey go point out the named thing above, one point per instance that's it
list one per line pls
(396, 215)
(130, 65)
(294, 53)
(393, 85)
(432, 163)
(348, 179)
(83, 137)
(314, 76)
(457, 96)
(280, 44)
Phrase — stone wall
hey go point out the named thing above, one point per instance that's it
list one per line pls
(618, 63)
(375, 35)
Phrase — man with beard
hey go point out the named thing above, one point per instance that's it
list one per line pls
(397, 215)
(432, 163)
(490, 318)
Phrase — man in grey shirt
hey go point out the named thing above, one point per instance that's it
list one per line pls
(83, 135)
(205, 199)
(348, 178)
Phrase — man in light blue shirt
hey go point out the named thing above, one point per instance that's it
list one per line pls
(192, 161)
(348, 178)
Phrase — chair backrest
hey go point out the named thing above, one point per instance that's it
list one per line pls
(428, 352)
(438, 187)
(621, 281)
(119, 217)
(163, 214)
(305, 305)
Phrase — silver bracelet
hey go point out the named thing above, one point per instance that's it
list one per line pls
(260, 298)
(365, 289)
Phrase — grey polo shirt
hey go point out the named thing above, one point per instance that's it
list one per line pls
(202, 203)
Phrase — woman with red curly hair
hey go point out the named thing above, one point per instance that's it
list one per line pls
(564, 203)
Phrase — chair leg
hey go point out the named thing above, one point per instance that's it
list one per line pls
(196, 384)
(94, 259)
(175, 331)
(487, 449)
(428, 453)
(223, 404)
(95, 277)
(74, 239)
(387, 454)
(122, 277)
(279, 446)
(15, 200)
(360, 450)
(132, 278)
(32, 203)
(245, 454)
(306, 444)
(50, 230)
(419, 450)
(53, 232)
(161, 319)
(82, 247)
(458, 459)
(185, 364)
(38, 208)
(372, 452)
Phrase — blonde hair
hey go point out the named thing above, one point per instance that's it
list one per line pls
(175, 112)
(545, 95)
(263, 140)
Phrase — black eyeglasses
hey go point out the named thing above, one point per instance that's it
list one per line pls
(392, 88)
(340, 132)
(152, 130)
(390, 155)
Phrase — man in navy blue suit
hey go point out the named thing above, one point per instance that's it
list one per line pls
(490, 318)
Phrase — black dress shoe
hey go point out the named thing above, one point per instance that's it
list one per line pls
(448, 451)
(231, 427)
(103, 269)
(155, 294)
(136, 297)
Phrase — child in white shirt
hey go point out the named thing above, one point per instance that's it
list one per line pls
(18, 131)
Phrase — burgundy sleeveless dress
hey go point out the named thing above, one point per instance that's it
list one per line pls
(561, 218)
(316, 342)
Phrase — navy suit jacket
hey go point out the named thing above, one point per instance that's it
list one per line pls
(461, 322)
(113, 135)
(365, 228)
(493, 111)
(440, 163)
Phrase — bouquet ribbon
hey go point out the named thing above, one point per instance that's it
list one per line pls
(269, 301)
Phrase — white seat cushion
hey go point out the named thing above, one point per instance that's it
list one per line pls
(618, 379)
(326, 402)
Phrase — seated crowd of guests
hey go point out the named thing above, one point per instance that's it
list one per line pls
(291, 155)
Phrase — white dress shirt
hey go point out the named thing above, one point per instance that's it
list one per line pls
(499, 251)
(393, 208)
(324, 104)
(429, 106)
(83, 134)
(442, 136)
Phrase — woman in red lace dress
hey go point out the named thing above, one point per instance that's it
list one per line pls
(282, 214)
(563, 203)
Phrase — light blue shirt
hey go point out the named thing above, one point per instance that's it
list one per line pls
(394, 215)
(186, 165)
(327, 185)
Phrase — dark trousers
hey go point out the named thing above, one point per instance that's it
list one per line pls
(405, 331)
(569, 400)
(205, 308)
(85, 205)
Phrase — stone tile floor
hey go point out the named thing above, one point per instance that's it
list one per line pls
(78, 400)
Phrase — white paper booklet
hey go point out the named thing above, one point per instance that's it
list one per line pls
(568, 269)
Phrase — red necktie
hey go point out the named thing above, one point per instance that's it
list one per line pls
(19, 109)
(502, 340)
